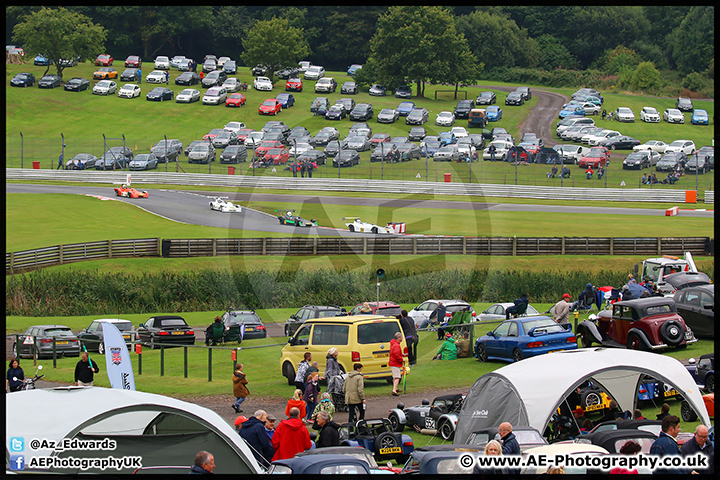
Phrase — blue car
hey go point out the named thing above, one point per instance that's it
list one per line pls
(569, 109)
(352, 69)
(703, 371)
(519, 338)
(493, 113)
(651, 389)
(287, 100)
(446, 138)
(699, 117)
(42, 60)
(405, 107)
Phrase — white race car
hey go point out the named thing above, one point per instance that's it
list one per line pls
(224, 206)
(354, 224)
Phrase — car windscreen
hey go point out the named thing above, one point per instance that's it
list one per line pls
(123, 326)
(58, 332)
(549, 325)
(659, 309)
(239, 319)
(381, 332)
(174, 322)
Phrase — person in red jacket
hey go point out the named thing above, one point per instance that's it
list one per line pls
(290, 437)
(396, 361)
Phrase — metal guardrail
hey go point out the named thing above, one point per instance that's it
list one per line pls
(358, 185)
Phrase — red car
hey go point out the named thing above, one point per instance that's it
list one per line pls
(277, 156)
(379, 137)
(235, 100)
(131, 61)
(598, 156)
(294, 85)
(243, 133)
(271, 106)
(104, 60)
(265, 146)
(213, 133)
(390, 309)
(129, 192)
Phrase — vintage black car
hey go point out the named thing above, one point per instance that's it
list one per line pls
(165, 329)
(703, 371)
(377, 435)
(441, 415)
(307, 312)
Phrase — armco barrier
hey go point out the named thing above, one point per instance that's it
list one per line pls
(657, 195)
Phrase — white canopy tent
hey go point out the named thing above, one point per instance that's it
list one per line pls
(162, 430)
(529, 391)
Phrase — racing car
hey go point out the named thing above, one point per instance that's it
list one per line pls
(223, 206)
(290, 219)
(442, 415)
(354, 224)
(129, 192)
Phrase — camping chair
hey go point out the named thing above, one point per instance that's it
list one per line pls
(233, 334)
(218, 331)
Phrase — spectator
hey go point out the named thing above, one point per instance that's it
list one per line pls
(312, 369)
(329, 431)
(510, 445)
(293, 166)
(561, 310)
(589, 172)
(60, 166)
(519, 307)
(139, 74)
(493, 447)
(579, 415)
(664, 411)
(303, 169)
(296, 402)
(85, 371)
(366, 309)
(644, 179)
(290, 437)
(565, 172)
(612, 412)
(167, 77)
(587, 425)
(637, 415)
(629, 448)
(396, 361)
(586, 299)
(333, 373)
(492, 150)
(604, 114)
(666, 444)
(312, 391)
(463, 345)
(438, 314)
(253, 431)
(202, 74)
(270, 425)
(600, 173)
(448, 350)
(302, 371)
(354, 389)
(411, 337)
(653, 179)
(553, 172)
(631, 279)
(204, 463)
(239, 423)
(14, 371)
(556, 470)
(699, 444)
(239, 389)
(308, 168)
(325, 405)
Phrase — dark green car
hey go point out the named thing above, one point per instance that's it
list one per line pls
(290, 219)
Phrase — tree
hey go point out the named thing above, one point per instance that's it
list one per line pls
(553, 54)
(418, 44)
(618, 58)
(59, 34)
(694, 40)
(274, 44)
(646, 77)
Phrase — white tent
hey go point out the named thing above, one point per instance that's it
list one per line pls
(162, 430)
(529, 391)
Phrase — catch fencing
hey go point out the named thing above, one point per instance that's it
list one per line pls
(27, 260)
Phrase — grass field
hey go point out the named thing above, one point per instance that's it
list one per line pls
(42, 115)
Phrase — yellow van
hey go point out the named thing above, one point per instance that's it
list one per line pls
(359, 339)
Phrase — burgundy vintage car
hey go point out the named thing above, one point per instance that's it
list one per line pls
(642, 324)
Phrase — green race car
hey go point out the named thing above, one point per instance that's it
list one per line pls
(289, 219)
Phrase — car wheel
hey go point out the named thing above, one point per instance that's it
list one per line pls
(634, 342)
(517, 355)
(447, 432)
(282, 222)
(351, 228)
(152, 342)
(612, 147)
(386, 440)
(101, 348)
(481, 353)
(586, 338)
(590, 399)
(374, 230)
(710, 383)
(672, 333)
(397, 426)
(289, 373)
(687, 413)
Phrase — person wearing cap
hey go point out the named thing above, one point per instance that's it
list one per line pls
(270, 425)
(448, 350)
(561, 310)
(579, 415)
(239, 421)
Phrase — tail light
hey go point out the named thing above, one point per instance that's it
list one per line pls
(355, 356)
(571, 340)
(46, 340)
(163, 332)
(189, 332)
(260, 327)
(642, 390)
(408, 444)
(534, 344)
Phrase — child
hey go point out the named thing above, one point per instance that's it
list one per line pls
(296, 401)
(324, 405)
(239, 389)
(311, 394)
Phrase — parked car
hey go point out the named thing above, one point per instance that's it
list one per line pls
(654, 145)
(92, 337)
(214, 96)
(130, 75)
(349, 88)
(210, 65)
(703, 371)
(104, 60)
(417, 134)
(133, 61)
(388, 115)
(642, 324)
(570, 153)
(358, 143)
(165, 330)
(442, 415)
(294, 84)
(570, 110)
(497, 312)
(650, 115)
(143, 161)
(514, 98)
(188, 95)
(447, 153)
(307, 312)
(324, 138)
(619, 142)
(50, 81)
(39, 339)
(595, 138)
(641, 159)
(624, 114)
(271, 106)
(176, 60)
(224, 139)
(696, 305)
(584, 92)
(696, 164)
(231, 84)
(129, 90)
(362, 112)
(235, 100)
(286, 73)
(673, 115)
(104, 87)
(214, 78)
(167, 150)
(685, 146)
(445, 119)
(501, 150)
(320, 103)
(81, 161)
(262, 84)
(277, 156)
(114, 158)
(486, 98)
(248, 321)
(162, 62)
(234, 154)
(377, 90)
(380, 137)
(699, 117)
(670, 161)
(311, 156)
(23, 79)
(156, 76)
(314, 72)
(346, 158)
(202, 153)
(384, 152)
(42, 61)
(408, 151)
(286, 100)
(595, 158)
(516, 339)
(418, 116)
(326, 85)
(403, 91)
(159, 94)
(423, 311)
(684, 104)
(525, 92)
(493, 113)
(77, 84)
(463, 107)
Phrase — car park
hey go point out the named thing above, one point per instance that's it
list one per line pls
(294, 84)
(684, 104)
(188, 95)
(103, 60)
(159, 94)
(104, 87)
(388, 115)
(262, 84)
(403, 91)
(524, 337)
(349, 88)
(81, 161)
(624, 114)
(514, 98)
(346, 158)
(417, 134)
(309, 311)
(641, 159)
(167, 150)
(418, 116)
(23, 79)
(673, 115)
(699, 117)
(234, 154)
(650, 115)
(654, 145)
(166, 330)
(42, 340)
(49, 81)
(445, 119)
(326, 85)
(696, 305)
(143, 161)
(685, 146)
(486, 98)
(377, 90)
(77, 84)
(92, 337)
(314, 72)
(202, 153)
(463, 107)
(641, 324)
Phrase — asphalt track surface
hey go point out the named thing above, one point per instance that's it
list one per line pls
(194, 207)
